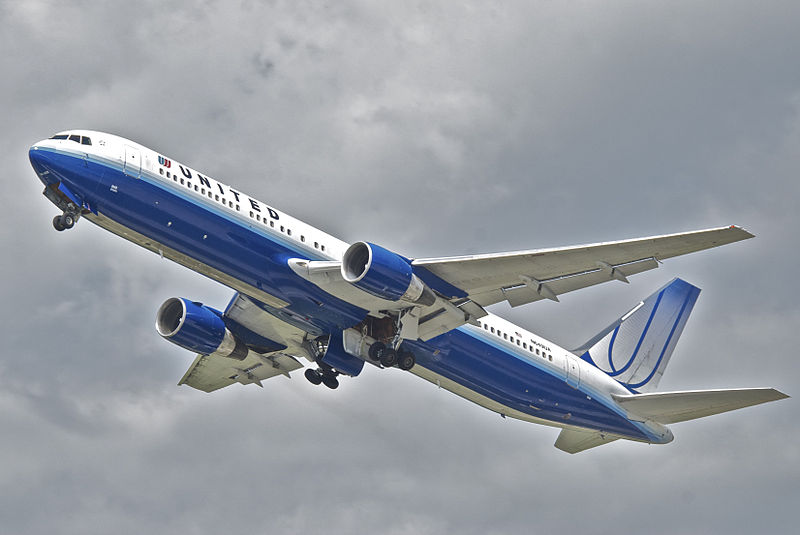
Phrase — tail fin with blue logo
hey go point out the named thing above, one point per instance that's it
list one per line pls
(636, 348)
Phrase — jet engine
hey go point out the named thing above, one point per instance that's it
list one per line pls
(384, 274)
(198, 328)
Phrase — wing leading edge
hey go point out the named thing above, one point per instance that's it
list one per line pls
(527, 276)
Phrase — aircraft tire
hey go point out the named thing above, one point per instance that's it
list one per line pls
(406, 360)
(375, 350)
(58, 224)
(313, 376)
(388, 357)
(68, 221)
(330, 381)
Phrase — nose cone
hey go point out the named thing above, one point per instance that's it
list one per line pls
(38, 158)
(46, 162)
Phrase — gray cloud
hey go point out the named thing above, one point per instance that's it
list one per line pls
(433, 129)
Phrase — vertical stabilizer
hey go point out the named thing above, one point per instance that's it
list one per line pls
(636, 348)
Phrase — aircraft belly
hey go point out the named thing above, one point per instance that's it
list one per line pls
(511, 385)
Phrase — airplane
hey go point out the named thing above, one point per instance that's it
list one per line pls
(302, 294)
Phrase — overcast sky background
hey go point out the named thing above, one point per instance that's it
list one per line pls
(432, 128)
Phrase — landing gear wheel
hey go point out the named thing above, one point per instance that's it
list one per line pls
(330, 381)
(68, 221)
(313, 376)
(388, 357)
(406, 360)
(58, 224)
(375, 350)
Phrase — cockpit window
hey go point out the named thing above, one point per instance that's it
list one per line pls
(83, 140)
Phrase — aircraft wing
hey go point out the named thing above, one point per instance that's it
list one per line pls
(212, 372)
(526, 276)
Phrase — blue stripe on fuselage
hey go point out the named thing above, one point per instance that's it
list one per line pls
(257, 256)
(167, 214)
(477, 361)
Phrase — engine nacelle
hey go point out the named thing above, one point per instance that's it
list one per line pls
(384, 274)
(198, 328)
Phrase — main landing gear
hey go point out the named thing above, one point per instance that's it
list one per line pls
(389, 357)
(324, 375)
(65, 221)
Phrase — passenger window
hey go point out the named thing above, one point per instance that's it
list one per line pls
(181, 182)
(492, 330)
(322, 247)
(216, 197)
(272, 224)
(161, 170)
(316, 245)
(289, 231)
(512, 340)
(505, 336)
(485, 326)
(517, 341)
(537, 350)
(303, 239)
(550, 357)
(237, 207)
(252, 214)
(85, 140)
(524, 345)
(282, 229)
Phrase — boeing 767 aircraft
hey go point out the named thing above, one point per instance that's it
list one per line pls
(303, 294)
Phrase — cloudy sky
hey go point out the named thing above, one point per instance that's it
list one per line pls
(432, 128)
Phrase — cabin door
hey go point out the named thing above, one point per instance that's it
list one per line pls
(133, 161)
(573, 367)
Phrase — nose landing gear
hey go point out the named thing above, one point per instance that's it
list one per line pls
(64, 221)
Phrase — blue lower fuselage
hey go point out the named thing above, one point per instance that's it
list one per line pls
(257, 256)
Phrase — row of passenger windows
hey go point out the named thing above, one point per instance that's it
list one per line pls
(83, 140)
(215, 196)
(287, 231)
(520, 343)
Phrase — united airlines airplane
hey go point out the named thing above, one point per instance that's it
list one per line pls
(303, 294)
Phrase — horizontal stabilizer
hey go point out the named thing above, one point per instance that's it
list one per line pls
(574, 440)
(673, 407)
